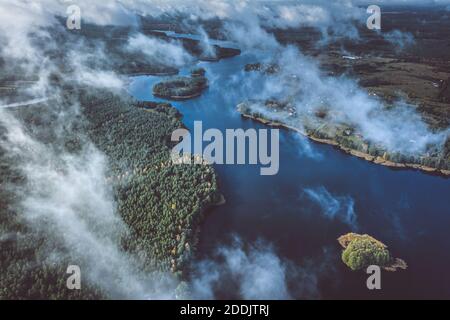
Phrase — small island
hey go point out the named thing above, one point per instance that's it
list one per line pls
(361, 251)
(182, 88)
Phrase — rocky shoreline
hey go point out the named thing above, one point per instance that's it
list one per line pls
(362, 155)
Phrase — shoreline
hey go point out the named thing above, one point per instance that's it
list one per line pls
(197, 227)
(359, 154)
(153, 74)
(178, 98)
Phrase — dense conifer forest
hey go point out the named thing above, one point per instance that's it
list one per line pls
(160, 203)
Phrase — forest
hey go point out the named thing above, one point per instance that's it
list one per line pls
(182, 88)
(161, 204)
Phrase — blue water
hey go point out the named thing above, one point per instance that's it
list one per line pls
(407, 210)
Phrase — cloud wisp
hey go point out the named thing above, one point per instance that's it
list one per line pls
(333, 207)
(302, 83)
(256, 271)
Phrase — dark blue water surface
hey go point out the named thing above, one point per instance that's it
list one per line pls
(407, 210)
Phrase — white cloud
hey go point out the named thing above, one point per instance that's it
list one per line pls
(333, 207)
(159, 51)
(255, 271)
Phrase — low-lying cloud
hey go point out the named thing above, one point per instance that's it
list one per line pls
(66, 196)
(302, 82)
(399, 39)
(159, 51)
(256, 271)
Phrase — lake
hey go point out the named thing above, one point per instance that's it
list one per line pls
(407, 210)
